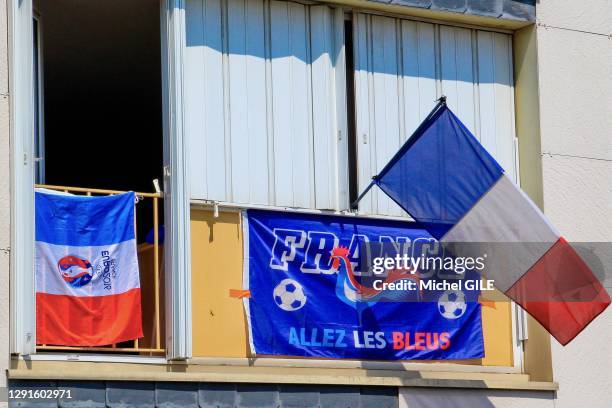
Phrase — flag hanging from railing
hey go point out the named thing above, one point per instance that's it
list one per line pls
(87, 278)
(443, 177)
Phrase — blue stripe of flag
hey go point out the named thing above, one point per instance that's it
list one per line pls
(84, 221)
(440, 172)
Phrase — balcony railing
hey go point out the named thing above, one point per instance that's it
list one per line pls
(151, 281)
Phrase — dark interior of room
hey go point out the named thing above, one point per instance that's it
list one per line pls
(102, 94)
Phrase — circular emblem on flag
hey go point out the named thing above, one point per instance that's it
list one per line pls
(451, 304)
(75, 271)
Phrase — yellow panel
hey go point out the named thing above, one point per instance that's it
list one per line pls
(497, 331)
(219, 324)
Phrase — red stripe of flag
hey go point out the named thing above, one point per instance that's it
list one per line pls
(561, 292)
(88, 320)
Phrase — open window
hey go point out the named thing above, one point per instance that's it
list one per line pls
(98, 97)
(90, 87)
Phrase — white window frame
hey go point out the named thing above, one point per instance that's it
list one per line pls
(39, 137)
(22, 111)
(21, 85)
(176, 184)
(518, 330)
(517, 315)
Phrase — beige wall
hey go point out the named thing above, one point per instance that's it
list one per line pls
(575, 77)
(5, 205)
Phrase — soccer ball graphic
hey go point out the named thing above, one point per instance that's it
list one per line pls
(289, 295)
(451, 304)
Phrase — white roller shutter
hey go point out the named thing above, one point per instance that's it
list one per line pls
(246, 104)
(402, 67)
(261, 119)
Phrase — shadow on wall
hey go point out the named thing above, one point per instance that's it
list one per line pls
(239, 31)
(460, 398)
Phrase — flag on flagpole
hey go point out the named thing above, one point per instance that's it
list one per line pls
(87, 278)
(444, 178)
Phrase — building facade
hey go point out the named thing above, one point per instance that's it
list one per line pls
(348, 80)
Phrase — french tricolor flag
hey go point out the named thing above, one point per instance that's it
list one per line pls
(444, 178)
(87, 279)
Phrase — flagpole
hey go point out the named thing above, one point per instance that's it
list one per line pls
(441, 102)
(368, 188)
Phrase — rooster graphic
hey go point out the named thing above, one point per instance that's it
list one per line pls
(355, 294)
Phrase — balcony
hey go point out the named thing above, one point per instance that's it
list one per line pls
(151, 269)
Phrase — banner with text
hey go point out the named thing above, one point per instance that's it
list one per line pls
(313, 292)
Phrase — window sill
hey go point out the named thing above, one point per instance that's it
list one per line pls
(454, 366)
(189, 372)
